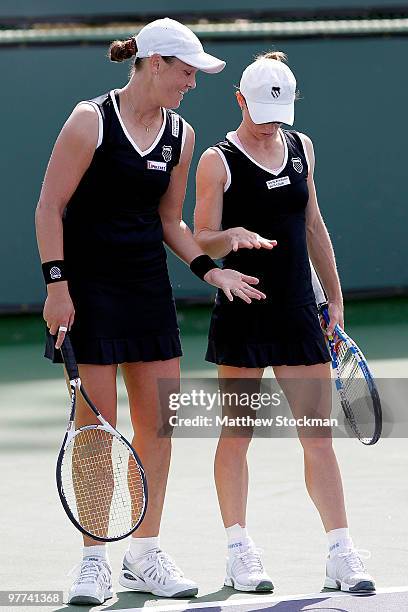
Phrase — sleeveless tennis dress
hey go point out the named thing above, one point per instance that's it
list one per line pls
(113, 246)
(284, 328)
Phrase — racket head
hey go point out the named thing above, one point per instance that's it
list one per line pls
(355, 384)
(101, 483)
(100, 478)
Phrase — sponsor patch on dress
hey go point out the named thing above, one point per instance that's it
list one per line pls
(175, 125)
(156, 165)
(278, 182)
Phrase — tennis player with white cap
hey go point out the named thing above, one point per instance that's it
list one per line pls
(269, 84)
(112, 194)
(169, 38)
(257, 209)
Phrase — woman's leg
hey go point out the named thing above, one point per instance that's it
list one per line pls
(244, 571)
(148, 385)
(146, 567)
(308, 391)
(231, 467)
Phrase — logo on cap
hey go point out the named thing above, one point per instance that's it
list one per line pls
(297, 164)
(275, 91)
(166, 152)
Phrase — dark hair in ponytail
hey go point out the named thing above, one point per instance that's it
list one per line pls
(279, 56)
(121, 50)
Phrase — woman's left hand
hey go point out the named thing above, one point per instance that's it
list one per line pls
(336, 317)
(234, 283)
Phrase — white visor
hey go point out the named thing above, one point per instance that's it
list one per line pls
(269, 113)
(203, 61)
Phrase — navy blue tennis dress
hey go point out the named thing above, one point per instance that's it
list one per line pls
(284, 329)
(113, 246)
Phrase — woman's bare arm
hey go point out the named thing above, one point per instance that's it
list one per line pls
(320, 247)
(71, 156)
(210, 181)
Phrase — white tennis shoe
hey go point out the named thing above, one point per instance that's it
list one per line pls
(345, 571)
(155, 572)
(93, 582)
(245, 571)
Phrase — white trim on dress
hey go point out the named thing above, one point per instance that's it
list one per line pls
(100, 120)
(233, 137)
(302, 138)
(183, 137)
(227, 168)
(128, 136)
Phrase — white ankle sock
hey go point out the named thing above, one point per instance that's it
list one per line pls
(237, 538)
(100, 550)
(140, 546)
(339, 540)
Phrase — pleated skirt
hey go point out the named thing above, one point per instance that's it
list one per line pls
(259, 334)
(121, 321)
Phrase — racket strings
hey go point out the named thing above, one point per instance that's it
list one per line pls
(102, 483)
(357, 399)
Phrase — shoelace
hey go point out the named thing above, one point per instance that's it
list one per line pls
(88, 571)
(251, 559)
(352, 558)
(167, 565)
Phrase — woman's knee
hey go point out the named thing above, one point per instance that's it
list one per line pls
(317, 445)
(234, 445)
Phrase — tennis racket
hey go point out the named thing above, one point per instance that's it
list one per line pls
(354, 381)
(100, 478)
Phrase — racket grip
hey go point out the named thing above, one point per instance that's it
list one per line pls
(325, 314)
(69, 358)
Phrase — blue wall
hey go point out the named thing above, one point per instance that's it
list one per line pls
(353, 106)
(38, 8)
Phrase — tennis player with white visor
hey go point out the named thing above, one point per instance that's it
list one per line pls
(257, 210)
(112, 195)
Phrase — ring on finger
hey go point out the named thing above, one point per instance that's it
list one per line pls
(63, 328)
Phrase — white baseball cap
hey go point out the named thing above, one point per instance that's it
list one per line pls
(168, 37)
(269, 89)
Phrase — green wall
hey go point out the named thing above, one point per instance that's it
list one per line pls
(353, 106)
(38, 8)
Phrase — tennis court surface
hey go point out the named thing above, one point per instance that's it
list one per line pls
(40, 546)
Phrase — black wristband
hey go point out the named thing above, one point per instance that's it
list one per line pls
(201, 265)
(54, 271)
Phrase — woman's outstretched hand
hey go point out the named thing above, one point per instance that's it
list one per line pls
(234, 283)
(242, 238)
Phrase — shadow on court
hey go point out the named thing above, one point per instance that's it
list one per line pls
(218, 602)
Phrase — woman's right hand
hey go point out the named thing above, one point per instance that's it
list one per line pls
(58, 310)
(242, 238)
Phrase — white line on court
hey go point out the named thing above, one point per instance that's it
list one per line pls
(254, 600)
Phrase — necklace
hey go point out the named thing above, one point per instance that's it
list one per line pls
(147, 126)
